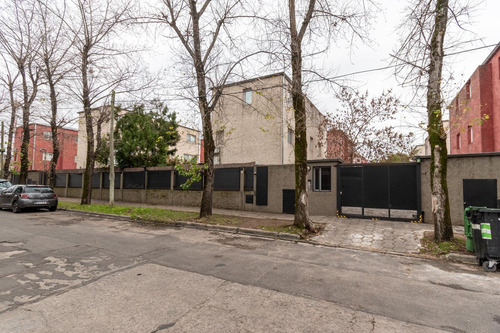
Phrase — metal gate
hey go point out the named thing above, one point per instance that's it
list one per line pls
(388, 191)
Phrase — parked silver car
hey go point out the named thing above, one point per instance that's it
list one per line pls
(18, 197)
(4, 183)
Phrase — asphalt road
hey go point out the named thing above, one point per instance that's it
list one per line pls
(62, 272)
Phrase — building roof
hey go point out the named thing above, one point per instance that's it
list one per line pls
(257, 79)
(490, 56)
(48, 126)
(189, 128)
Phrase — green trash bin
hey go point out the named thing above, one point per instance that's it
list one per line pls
(468, 214)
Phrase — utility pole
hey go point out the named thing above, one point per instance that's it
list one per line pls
(1, 155)
(112, 152)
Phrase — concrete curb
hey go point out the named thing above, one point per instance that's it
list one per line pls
(199, 226)
(466, 259)
(463, 258)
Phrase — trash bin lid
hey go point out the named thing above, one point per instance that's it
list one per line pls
(489, 210)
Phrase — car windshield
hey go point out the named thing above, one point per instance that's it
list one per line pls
(37, 190)
(5, 183)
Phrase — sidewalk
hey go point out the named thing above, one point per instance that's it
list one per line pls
(375, 235)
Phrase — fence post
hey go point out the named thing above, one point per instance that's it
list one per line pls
(145, 188)
(242, 188)
(67, 185)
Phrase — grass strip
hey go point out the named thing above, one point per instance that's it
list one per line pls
(136, 213)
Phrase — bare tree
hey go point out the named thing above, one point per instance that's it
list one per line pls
(421, 58)
(362, 126)
(202, 27)
(297, 34)
(9, 80)
(304, 30)
(19, 39)
(54, 54)
(101, 59)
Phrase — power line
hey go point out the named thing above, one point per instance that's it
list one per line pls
(393, 66)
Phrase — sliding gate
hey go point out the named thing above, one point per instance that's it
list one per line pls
(388, 191)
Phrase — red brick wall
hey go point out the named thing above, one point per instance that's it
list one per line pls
(338, 146)
(39, 144)
(495, 88)
(484, 100)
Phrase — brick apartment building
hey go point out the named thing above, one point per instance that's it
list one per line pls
(40, 148)
(254, 122)
(475, 111)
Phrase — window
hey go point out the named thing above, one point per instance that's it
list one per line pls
(191, 138)
(47, 156)
(468, 91)
(469, 134)
(76, 138)
(290, 136)
(219, 138)
(189, 157)
(47, 135)
(247, 96)
(76, 158)
(459, 141)
(322, 179)
(311, 143)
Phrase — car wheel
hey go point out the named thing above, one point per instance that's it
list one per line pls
(15, 207)
(52, 208)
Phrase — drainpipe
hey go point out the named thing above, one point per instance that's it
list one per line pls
(34, 149)
(282, 118)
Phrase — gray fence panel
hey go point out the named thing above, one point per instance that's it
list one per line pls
(160, 179)
(75, 180)
(60, 180)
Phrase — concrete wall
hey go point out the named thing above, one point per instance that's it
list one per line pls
(325, 202)
(258, 131)
(460, 167)
(280, 177)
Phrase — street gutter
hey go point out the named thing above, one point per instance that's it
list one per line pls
(465, 259)
(199, 226)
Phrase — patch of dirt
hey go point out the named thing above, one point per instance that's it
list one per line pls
(276, 225)
(430, 248)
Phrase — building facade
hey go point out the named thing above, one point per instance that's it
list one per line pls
(475, 111)
(338, 146)
(187, 147)
(254, 122)
(189, 144)
(40, 148)
(425, 149)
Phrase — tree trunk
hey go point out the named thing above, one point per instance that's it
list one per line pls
(443, 230)
(90, 161)
(301, 219)
(206, 116)
(23, 175)
(55, 136)
(209, 172)
(10, 135)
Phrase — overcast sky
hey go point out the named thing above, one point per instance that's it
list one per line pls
(342, 60)
(384, 36)
(486, 26)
